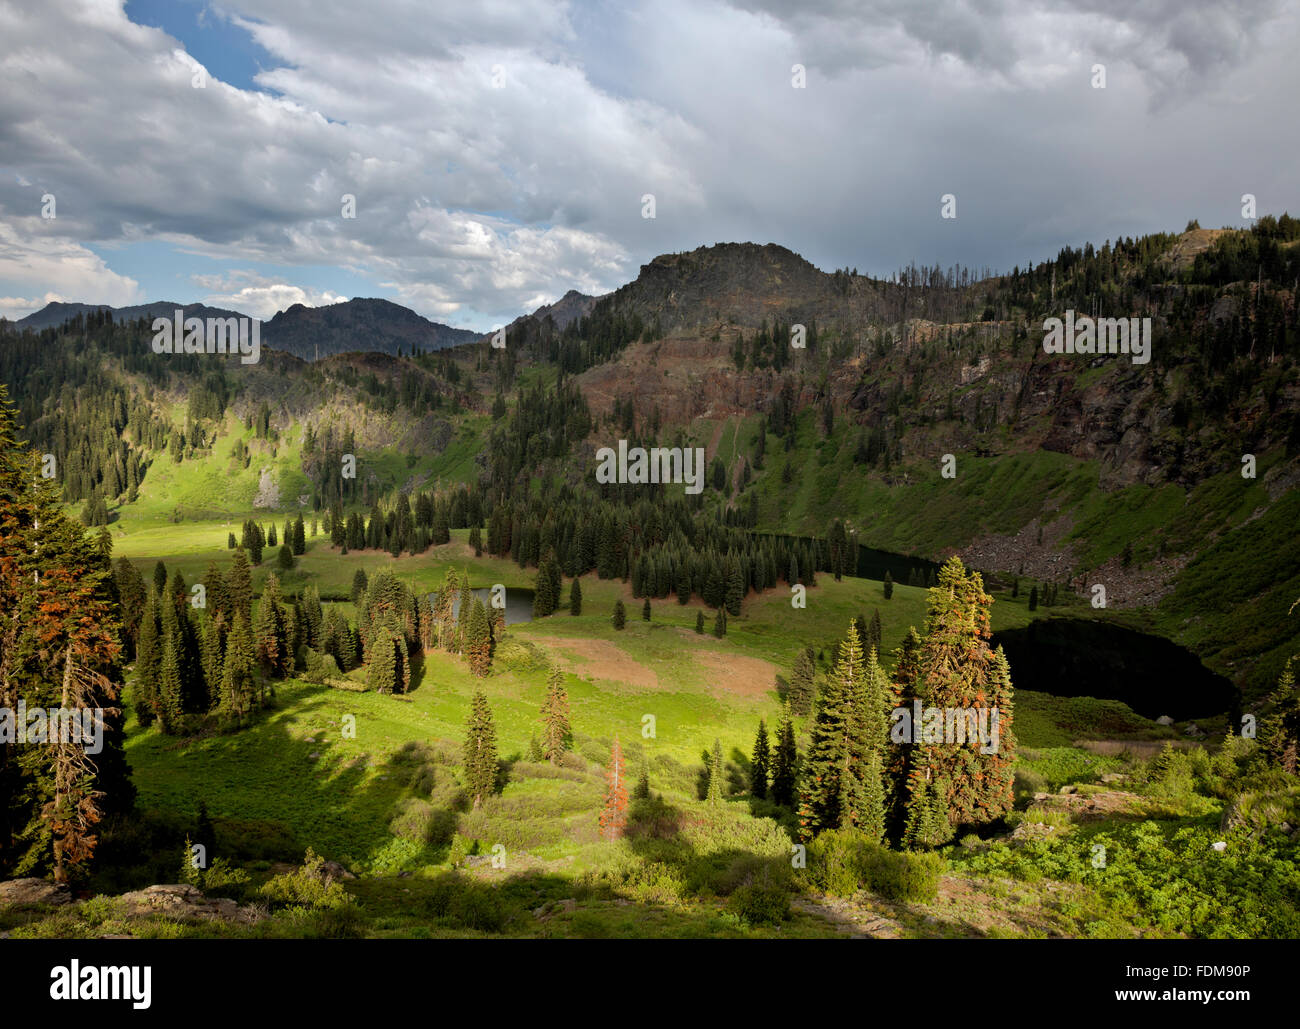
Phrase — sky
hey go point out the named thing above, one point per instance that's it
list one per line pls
(500, 152)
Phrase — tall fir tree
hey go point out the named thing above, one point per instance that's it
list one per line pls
(480, 752)
(760, 762)
(785, 762)
(555, 718)
(717, 788)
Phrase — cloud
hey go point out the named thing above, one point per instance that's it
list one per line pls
(499, 152)
(58, 269)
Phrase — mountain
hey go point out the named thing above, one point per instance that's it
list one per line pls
(307, 332)
(361, 324)
(56, 313)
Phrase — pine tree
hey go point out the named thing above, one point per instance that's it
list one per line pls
(759, 764)
(148, 663)
(1033, 598)
(803, 682)
(238, 682)
(642, 790)
(270, 642)
(874, 632)
(575, 598)
(170, 689)
(962, 673)
(480, 751)
(555, 718)
(478, 639)
(360, 583)
(888, 586)
(239, 586)
(299, 536)
(699, 622)
(285, 557)
(645, 610)
(720, 623)
(839, 737)
(717, 788)
(785, 762)
(620, 615)
(1280, 731)
(613, 816)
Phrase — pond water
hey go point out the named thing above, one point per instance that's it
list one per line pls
(519, 603)
(1080, 657)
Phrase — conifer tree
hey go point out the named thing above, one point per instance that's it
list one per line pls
(645, 610)
(613, 815)
(478, 639)
(148, 663)
(480, 751)
(555, 718)
(720, 623)
(699, 622)
(575, 598)
(299, 536)
(238, 685)
(170, 690)
(888, 586)
(803, 682)
(717, 788)
(1280, 731)
(785, 762)
(271, 644)
(620, 615)
(961, 672)
(759, 763)
(239, 586)
(360, 583)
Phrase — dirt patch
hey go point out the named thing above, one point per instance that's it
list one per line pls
(742, 676)
(600, 659)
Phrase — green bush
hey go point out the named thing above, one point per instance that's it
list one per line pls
(306, 886)
(843, 861)
(765, 901)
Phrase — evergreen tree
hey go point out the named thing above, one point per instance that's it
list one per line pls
(874, 632)
(759, 764)
(360, 583)
(888, 586)
(480, 751)
(299, 536)
(285, 557)
(717, 788)
(620, 615)
(785, 762)
(478, 639)
(575, 598)
(1280, 731)
(720, 623)
(555, 718)
(239, 586)
(1033, 598)
(238, 684)
(961, 672)
(699, 622)
(803, 682)
(270, 638)
(645, 610)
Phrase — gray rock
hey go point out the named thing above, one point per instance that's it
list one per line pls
(1164, 720)
(33, 891)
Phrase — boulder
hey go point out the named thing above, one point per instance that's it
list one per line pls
(1164, 720)
(181, 900)
(33, 891)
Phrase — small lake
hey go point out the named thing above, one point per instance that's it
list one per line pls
(871, 563)
(519, 603)
(1080, 657)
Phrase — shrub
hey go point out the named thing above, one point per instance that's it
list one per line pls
(306, 886)
(843, 861)
(762, 902)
